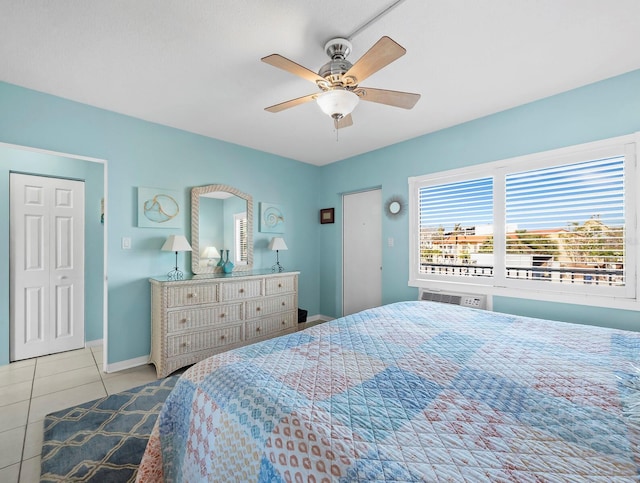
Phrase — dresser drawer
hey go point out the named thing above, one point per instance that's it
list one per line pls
(180, 320)
(270, 325)
(241, 290)
(181, 296)
(197, 341)
(277, 285)
(270, 305)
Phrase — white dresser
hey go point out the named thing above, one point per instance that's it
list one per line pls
(194, 318)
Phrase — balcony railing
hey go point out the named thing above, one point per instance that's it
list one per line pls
(595, 276)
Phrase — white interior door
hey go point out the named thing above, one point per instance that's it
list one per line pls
(46, 265)
(362, 251)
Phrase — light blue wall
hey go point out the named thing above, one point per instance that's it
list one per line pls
(597, 111)
(140, 153)
(30, 162)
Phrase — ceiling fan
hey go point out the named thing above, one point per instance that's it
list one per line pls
(339, 80)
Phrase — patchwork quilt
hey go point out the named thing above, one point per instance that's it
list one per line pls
(412, 391)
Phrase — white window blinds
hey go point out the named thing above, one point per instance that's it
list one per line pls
(566, 223)
(456, 228)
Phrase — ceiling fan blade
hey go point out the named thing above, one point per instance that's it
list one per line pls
(405, 100)
(346, 121)
(283, 63)
(383, 52)
(291, 103)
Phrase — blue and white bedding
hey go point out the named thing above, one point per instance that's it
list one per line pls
(412, 391)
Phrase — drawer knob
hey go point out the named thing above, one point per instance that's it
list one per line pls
(279, 285)
(185, 344)
(222, 315)
(184, 321)
(283, 304)
(222, 337)
(241, 290)
(284, 322)
(257, 329)
(257, 309)
(194, 295)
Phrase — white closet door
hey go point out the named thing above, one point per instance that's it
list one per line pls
(362, 251)
(46, 265)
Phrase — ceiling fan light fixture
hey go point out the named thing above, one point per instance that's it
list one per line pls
(337, 103)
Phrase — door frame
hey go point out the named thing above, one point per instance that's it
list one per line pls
(349, 193)
(105, 325)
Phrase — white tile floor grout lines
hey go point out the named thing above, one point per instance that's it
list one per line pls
(31, 389)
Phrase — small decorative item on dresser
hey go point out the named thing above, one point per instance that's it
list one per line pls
(326, 215)
(221, 262)
(228, 264)
(176, 243)
(277, 243)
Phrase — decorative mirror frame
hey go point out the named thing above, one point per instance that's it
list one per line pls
(195, 227)
(395, 207)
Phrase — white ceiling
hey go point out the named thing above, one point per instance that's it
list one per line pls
(195, 65)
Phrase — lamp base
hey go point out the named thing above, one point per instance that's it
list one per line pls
(175, 274)
(277, 268)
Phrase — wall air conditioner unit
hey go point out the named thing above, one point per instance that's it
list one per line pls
(475, 301)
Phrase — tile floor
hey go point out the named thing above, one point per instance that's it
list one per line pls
(31, 389)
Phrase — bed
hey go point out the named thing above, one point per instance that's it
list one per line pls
(411, 391)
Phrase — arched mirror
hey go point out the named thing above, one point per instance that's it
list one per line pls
(221, 229)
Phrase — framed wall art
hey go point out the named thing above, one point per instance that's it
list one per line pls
(271, 218)
(326, 215)
(159, 208)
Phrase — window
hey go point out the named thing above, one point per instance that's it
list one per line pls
(240, 238)
(456, 222)
(560, 222)
(567, 223)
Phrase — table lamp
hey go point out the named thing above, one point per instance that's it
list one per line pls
(277, 243)
(176, 243)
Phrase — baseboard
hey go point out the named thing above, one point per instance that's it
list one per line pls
(94, 343)
(128, 364)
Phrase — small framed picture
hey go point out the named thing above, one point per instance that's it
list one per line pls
(326, 215)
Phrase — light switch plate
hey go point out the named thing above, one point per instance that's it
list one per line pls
(126, 243)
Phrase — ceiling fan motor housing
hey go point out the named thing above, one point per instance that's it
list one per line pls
(338, 49)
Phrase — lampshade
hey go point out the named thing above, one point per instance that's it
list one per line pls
(277, 243)
(337, 103)
(176, 243)
(211, 252)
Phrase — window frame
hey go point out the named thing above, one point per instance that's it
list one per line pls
(499, 284)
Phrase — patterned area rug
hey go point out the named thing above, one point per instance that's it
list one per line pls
(102, 440)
